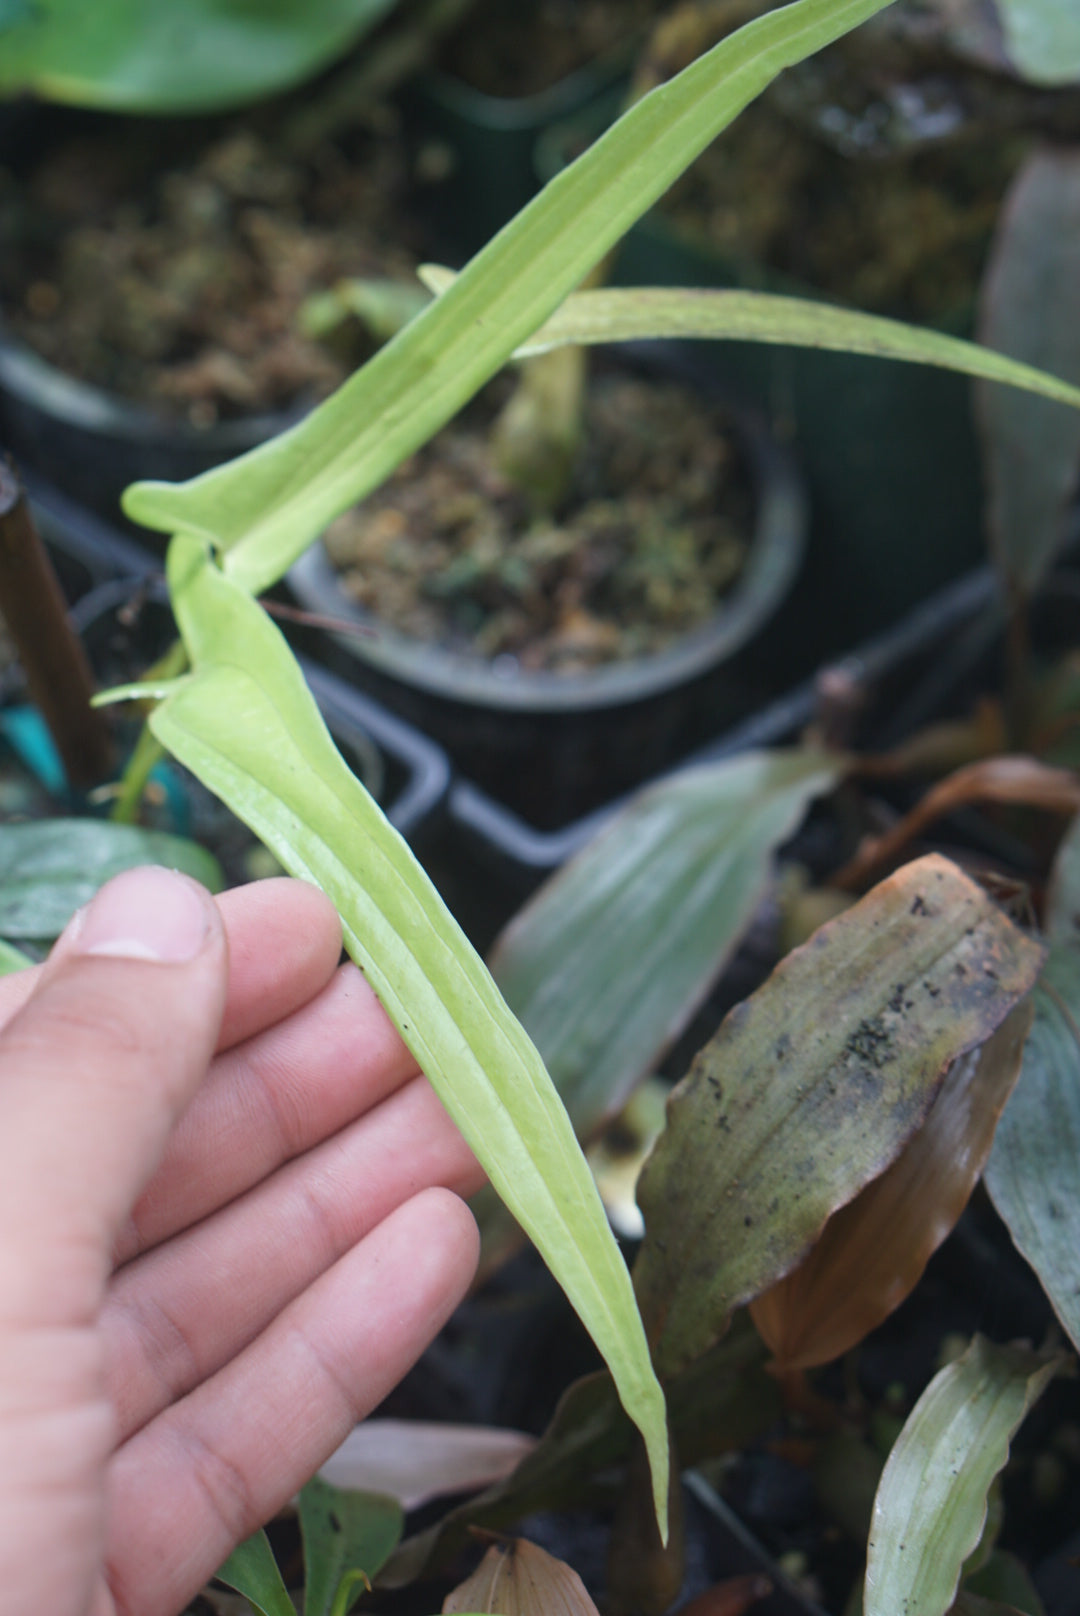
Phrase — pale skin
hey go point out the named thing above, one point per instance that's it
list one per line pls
(229, 1223)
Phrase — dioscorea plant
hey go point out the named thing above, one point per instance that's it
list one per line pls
(242, 719)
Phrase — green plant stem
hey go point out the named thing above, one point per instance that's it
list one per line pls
(148, 751)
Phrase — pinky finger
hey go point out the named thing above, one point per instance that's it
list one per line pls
(210, 1470)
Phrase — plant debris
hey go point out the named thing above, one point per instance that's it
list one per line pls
(170, 269)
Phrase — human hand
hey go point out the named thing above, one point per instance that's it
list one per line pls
(226, 1231)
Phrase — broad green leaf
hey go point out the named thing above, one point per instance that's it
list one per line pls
(871, 1254)
(624, 314)
(606, 964)
(1042, 38)
(811, 1088)
(12, 959)
(1031, 1175)
(931, 1503)
(1031, 310)
(173, 56)
(265, 508)
(49, 867)
(246, 724)
(348, 1536)
(252, 1570)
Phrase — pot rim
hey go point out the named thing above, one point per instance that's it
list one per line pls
(34, 382)
(772, 561)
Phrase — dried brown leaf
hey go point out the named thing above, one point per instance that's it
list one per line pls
(811, 1089)
(520, 1579)
(1017, 780)
(873, 1251)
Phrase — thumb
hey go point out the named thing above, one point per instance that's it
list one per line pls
(95, 1069)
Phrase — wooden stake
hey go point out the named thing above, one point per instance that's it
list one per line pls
(57, 672)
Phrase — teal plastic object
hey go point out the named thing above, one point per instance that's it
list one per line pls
(27, 733)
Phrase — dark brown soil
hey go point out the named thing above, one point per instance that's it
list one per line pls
(168, 263)
(518, 50)
(651, 538)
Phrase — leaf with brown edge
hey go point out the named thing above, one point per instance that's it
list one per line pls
(810, 1090)
(1018, 780)
(872, 1252)
(520, 1579)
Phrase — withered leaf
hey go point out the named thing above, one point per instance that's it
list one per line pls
(811, 1088)
(872, 1252)
(520, 1579)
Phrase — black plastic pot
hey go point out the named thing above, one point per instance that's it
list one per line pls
(94, 444)
(491, 857)
(889, 450)
(552, 746)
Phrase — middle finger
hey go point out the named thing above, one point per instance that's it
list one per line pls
(177, 1315)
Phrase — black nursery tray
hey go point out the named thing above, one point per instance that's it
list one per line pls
(122, 612)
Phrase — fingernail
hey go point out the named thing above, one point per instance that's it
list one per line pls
(144, 914)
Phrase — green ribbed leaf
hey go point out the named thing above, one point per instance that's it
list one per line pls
(635, 314)
(608, 961)
(931, 1502)
(246, 724)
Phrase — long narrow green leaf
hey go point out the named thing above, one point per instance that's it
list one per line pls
(266, 508)
(246, 724)
(931, 1502)
(633, 314)
(610, 958)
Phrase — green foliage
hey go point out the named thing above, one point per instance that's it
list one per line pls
(173, 56)
(1042, 38)
(931, 1503)
(606, 964)
(51, 867)
(1031, 1176)
(347, 1538)
(264, 509)
(252, 1570)
(246, 724)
